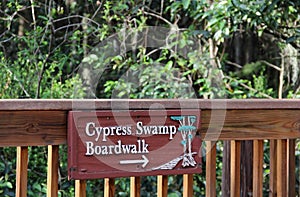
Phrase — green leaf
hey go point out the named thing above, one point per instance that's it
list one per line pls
(291, 39)
(173, 195)
(186, 4)
(37, 186)
(238, 4)
(169, 65)
(43, 18)
(9, 185)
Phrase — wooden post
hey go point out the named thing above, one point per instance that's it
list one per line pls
(258, 157)
(273, 168)
(80, 188)
(235, 168)
(21, 179)
(210, 189)
(291, 160)
(226, 179)
(52, 172)
(135, 186)
(188, 185)
(109, 187)
(282, 168)
(162, 186)
(246, 182)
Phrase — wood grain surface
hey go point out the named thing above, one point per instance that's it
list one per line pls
(32, 128)
(250, 124)
(99, 104)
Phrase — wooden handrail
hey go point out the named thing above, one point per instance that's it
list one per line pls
(107, 104)
(26, 123)
(47, 125)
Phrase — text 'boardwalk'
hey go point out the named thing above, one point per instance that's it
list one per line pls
(126, 143)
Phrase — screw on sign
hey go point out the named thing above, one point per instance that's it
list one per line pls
(111, 144)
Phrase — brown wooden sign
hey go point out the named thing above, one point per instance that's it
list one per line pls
(108, 144)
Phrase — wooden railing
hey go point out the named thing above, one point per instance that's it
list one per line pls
(26, 123)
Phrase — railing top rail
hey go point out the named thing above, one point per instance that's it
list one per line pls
(106, 104)
(32, 122)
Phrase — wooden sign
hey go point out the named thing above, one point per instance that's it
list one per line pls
(108, 144)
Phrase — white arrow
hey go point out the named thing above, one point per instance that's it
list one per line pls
(144, 161)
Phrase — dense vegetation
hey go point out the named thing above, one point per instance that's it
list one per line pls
(73, 49)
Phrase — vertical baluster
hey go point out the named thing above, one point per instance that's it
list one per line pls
(21, 174)
(109, 187)
(226, 179)
(258, 157)
(162, 186)
(188, 185)
(282, 167)
(211, 151)
(235, 168)
(52, 172)
(80, 188)
(273, 168)
(135, 186)
(291, 167)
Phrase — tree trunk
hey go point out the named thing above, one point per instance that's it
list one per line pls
(242, 51)
(246, 168)
(249, 40)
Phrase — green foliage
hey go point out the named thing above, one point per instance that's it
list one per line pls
(7, 169)
(123, 186)
(151, 82)
(226, 17)
(34, 73)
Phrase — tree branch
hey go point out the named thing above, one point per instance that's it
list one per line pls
(19, 82)
(271, 65)
(158, 16)
(33, 15)
(281, 78)
(282, 37)
(248, 87)
(234, 64)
